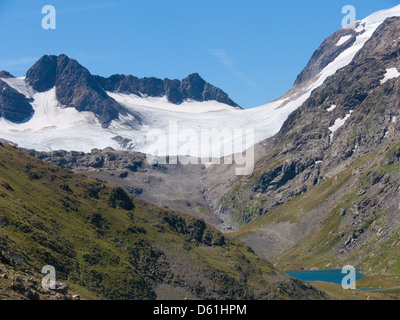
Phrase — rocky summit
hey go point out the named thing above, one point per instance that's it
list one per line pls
(75, 87)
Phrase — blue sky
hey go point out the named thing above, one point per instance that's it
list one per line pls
(252, 49)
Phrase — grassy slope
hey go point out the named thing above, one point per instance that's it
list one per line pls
(108, 245)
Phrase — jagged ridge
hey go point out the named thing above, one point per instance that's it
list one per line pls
(191, 88)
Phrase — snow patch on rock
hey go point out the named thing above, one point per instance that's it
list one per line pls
(338, 124)
(391, 73)
(343, 40)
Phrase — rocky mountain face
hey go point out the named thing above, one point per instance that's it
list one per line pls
(328, 187)
(75, 87)
(14, 106)
(328, 51)
(191, 88)
(5, 74)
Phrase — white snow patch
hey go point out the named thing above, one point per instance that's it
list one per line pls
(20, 85)
(390, 74)
(162, 103)
(394, 119)
(343, 40)
(318, 162)
(331, 108)
(338, 124)
(53, 127)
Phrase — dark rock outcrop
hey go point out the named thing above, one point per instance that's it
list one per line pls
(192, 87)
(75, 87)
(5, 74)
(14, 106)
(42, 75)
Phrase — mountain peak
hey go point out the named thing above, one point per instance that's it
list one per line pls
(193, 87)
(75, 86)
(194, 76)
(5, 74)
(42, 75)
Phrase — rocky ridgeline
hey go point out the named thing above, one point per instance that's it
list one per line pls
(107, 159)
(77, 88)
(192, 87)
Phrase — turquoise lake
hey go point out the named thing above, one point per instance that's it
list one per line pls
(332, 276)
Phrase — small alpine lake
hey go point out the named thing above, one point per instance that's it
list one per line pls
(332, 276)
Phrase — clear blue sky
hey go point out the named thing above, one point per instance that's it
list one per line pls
(252, 49)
